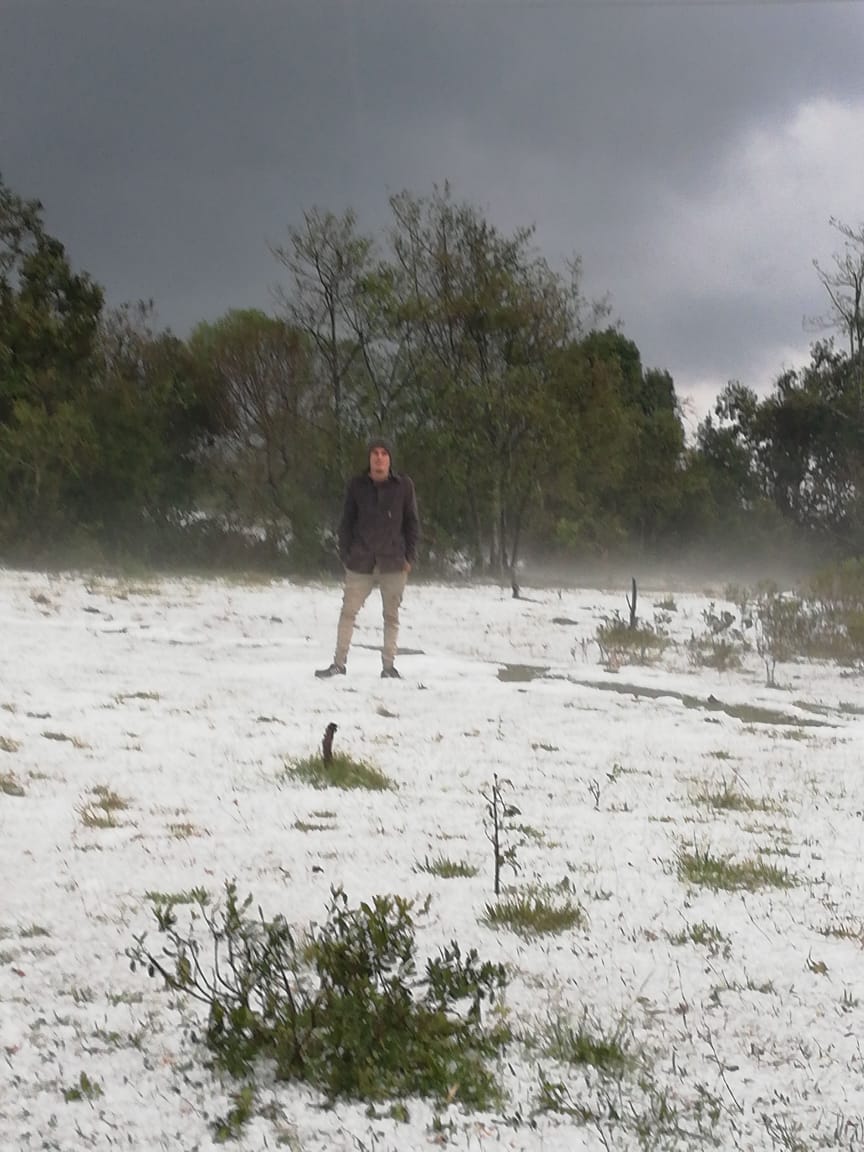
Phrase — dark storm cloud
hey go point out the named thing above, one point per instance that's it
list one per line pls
(171, 142)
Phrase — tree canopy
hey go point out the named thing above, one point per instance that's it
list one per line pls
(526, 417)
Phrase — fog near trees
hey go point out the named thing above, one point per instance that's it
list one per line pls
(532, 428)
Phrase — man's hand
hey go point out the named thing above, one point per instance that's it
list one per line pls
(407, 567)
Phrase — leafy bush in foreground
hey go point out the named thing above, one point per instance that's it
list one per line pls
(340, 1006)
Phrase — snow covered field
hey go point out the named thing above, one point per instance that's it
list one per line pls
(744, 1009)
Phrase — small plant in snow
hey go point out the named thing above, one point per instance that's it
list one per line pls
(85, 1089)
(537, 911)
(9, 785)
(101, 811)
(446, 868)
(700, 866)
(783, 630)
(586, 1042)
(728, 797)
(499, 813)
(619, 643)
(339, 771)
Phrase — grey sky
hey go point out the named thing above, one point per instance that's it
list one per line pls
(691, 154)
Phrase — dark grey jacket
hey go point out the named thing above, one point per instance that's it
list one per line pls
(380, 524)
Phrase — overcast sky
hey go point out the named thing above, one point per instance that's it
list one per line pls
(691, 153)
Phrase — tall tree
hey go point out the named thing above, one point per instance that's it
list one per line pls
(489, 313)
(332, 270)
(844, 284)
(49, 317)
(152, 412)
(268, 467)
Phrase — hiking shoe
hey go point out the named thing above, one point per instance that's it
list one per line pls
(390, 674)
(333, 670)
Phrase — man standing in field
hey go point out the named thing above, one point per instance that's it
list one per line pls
(378, 536)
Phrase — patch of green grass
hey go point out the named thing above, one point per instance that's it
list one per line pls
(717, 652)
(230, 1126)
(64, 738)
(34, 930)
(534, 913)
(111, 1038)
(705, 935)
(529, 832)
(306, 826)
(728, 797)
(100, 812)
(763, 988)
(84, 1089)
(184, 830)
(585, 1043)
(115, 998)
(720, 872)
(341, 772)
(446, 868)
(9, 785)
(170, 899)
(847, 929)
(620, 644)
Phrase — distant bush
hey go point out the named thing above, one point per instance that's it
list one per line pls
(620, 644)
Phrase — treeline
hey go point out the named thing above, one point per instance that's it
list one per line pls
(527, 420)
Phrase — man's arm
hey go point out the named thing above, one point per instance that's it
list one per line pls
(410, 522)
(346, 524)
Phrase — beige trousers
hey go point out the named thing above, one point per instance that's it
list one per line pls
(356, 591)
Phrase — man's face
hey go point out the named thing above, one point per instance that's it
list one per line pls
(379, 463)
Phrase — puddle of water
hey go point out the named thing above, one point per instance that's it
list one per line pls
(520, 673)
(748, 713)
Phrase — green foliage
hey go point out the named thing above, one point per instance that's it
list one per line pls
(535, 912)
(268, 470)
(719, 872)
(586, 1043)
(120, 442)
(498, 827)
(342, 771)
(342, 1006)
(721, 645)
(230, 1126)
(101, 811)
(84, 1089)
(785, 629)
(446, 868)
(706, 936)
(836, 595)
(620, 644)
(728, 797)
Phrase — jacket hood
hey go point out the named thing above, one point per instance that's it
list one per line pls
(381, 442)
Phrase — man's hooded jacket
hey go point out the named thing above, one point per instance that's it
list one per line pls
(380, 525)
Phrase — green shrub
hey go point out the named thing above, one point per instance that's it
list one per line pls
(620, 644)
(341, 1006)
